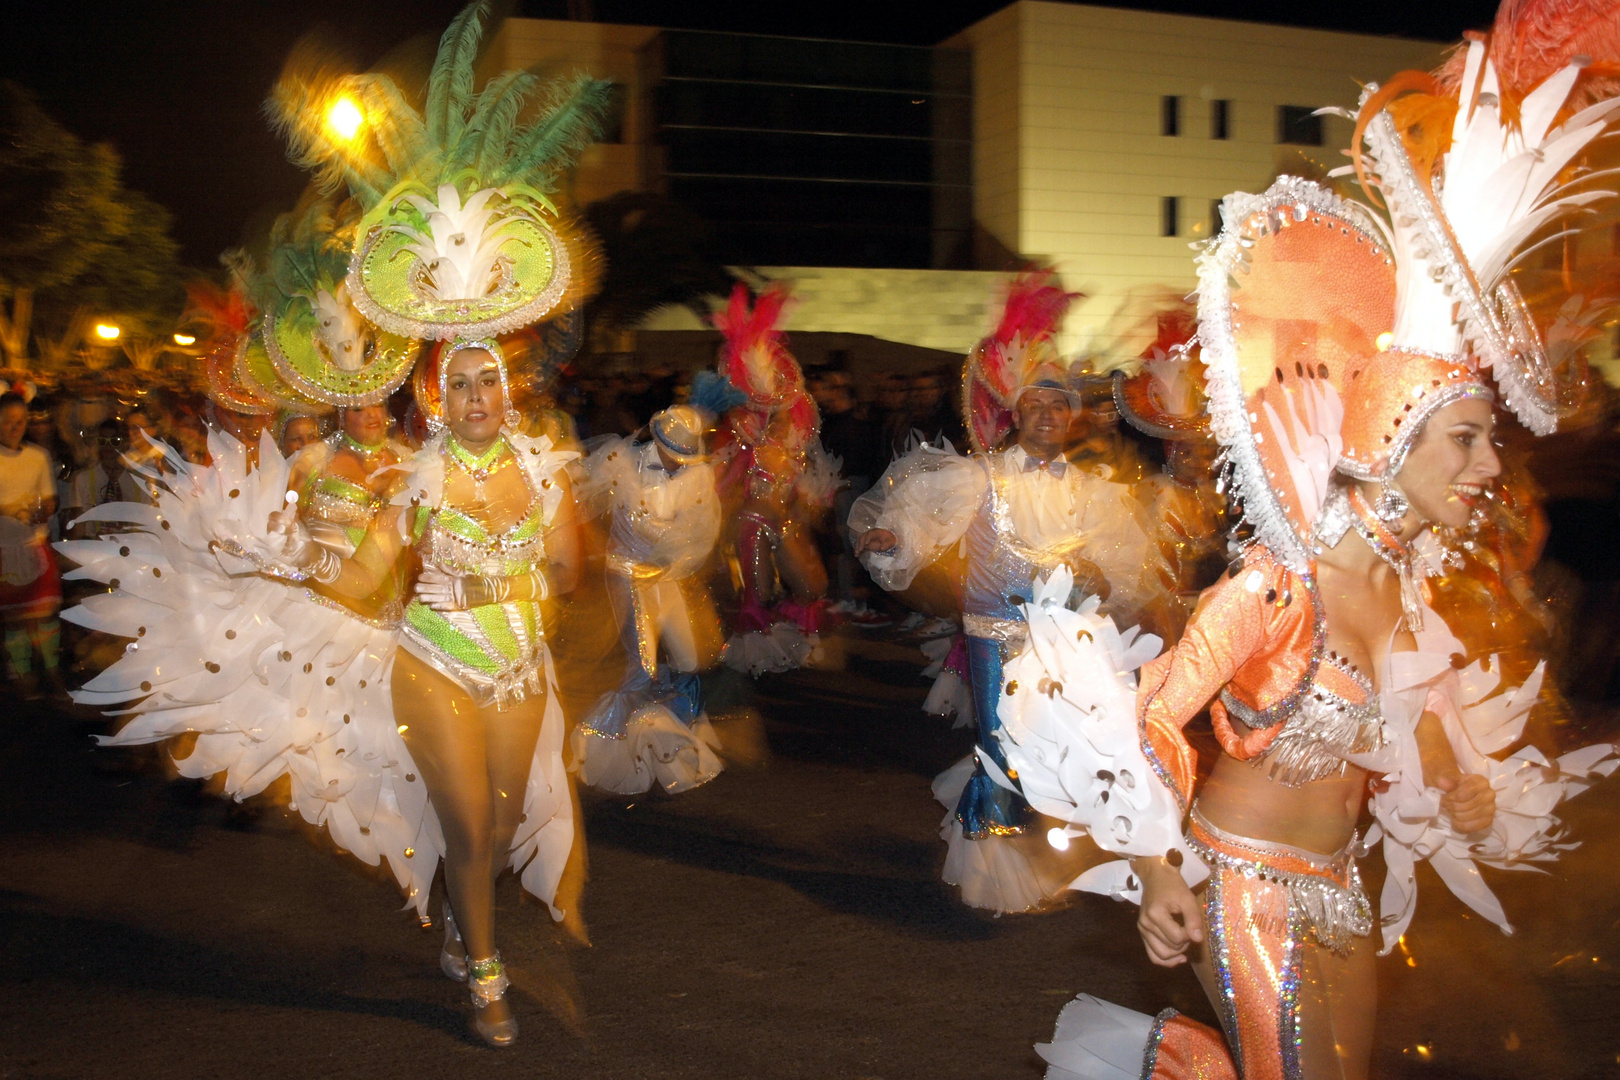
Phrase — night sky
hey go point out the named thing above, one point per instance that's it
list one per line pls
(176, 85)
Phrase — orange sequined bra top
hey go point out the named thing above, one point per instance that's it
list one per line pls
(1259, 639)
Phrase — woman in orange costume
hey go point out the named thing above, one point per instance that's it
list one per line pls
(1329, 668)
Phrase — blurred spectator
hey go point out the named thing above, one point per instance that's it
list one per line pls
(891, 417)
(30, 589)
(104, 480)
(931, 410)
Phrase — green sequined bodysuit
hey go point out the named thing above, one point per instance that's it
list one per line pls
(496, 652)
(338, 513)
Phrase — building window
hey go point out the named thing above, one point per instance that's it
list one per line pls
(1299, 125)
(1217, 220)
(1170, 115)
(1169, 216)
(1220, 119)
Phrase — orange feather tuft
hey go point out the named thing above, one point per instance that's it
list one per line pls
(1405, 82)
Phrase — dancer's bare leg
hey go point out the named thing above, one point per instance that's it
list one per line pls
(475, 763)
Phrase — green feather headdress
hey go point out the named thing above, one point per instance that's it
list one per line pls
(457, 236)
(314, 335)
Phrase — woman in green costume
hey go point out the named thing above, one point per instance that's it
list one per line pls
(488, 514)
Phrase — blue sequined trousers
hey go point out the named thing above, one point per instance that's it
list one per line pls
(986, 808)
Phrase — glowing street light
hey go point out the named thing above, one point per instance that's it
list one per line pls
(344, 118)
(107, 331)
(184, 339)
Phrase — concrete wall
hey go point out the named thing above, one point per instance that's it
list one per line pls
(947, 310)
(1084, 176)
(605, 50)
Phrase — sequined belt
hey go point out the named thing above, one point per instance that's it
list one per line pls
(1010, 632)
(1325, 899)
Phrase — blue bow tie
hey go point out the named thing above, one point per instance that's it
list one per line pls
(1055, 466)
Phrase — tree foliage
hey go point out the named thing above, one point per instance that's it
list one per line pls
(75, 240)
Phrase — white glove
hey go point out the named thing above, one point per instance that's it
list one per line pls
(293, 553)
(441, 591)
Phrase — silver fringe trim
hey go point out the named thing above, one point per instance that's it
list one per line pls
(1324, 911)
(1315, 741)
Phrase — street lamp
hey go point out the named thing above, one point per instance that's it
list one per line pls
(184, 339)
(107, 331)
(344, 117)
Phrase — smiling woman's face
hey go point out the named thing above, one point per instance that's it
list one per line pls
(473, 401)
(1452, 464)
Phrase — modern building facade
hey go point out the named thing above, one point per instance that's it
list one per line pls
(898, 184)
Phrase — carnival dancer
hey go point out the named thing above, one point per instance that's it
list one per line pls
(1183, 500)
(1329, 666)
(1021, 511)
(459, 732)
(665, 518)
(783, 478)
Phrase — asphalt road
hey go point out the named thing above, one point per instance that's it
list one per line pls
(785, 921)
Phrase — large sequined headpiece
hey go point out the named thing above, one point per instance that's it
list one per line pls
(1165, 399)
(755, 359)
(316, 338)
(457, 236)
(1293, 295)
(1388, 400)
(1471, 164)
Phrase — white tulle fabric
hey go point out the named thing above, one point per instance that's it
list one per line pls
(662, 519)
(656, 748)
(1096, 1040)
(929, 497)
(784, 647)
(990, 872)
(272, 682)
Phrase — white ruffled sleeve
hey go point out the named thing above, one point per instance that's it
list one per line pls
(609, 465)
(927, 499)
(1481, 716)
(1118, 543)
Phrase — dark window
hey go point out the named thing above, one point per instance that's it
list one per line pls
(814, 153)
(1170, 115)
(1169, 216)
(1299, 124)
(1220, 119)
(1217, 220)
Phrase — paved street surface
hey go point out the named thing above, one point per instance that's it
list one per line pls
(785, 921)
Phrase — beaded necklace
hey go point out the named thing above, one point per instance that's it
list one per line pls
(480, 467)
(370, 456)
(1395, 552)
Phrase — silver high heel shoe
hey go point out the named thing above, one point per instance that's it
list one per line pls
(453, 957)
(488, 982)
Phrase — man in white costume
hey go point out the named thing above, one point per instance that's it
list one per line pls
(665, 520)
(1018, 511)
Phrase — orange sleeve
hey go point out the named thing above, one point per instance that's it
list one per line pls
(1229, 625)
